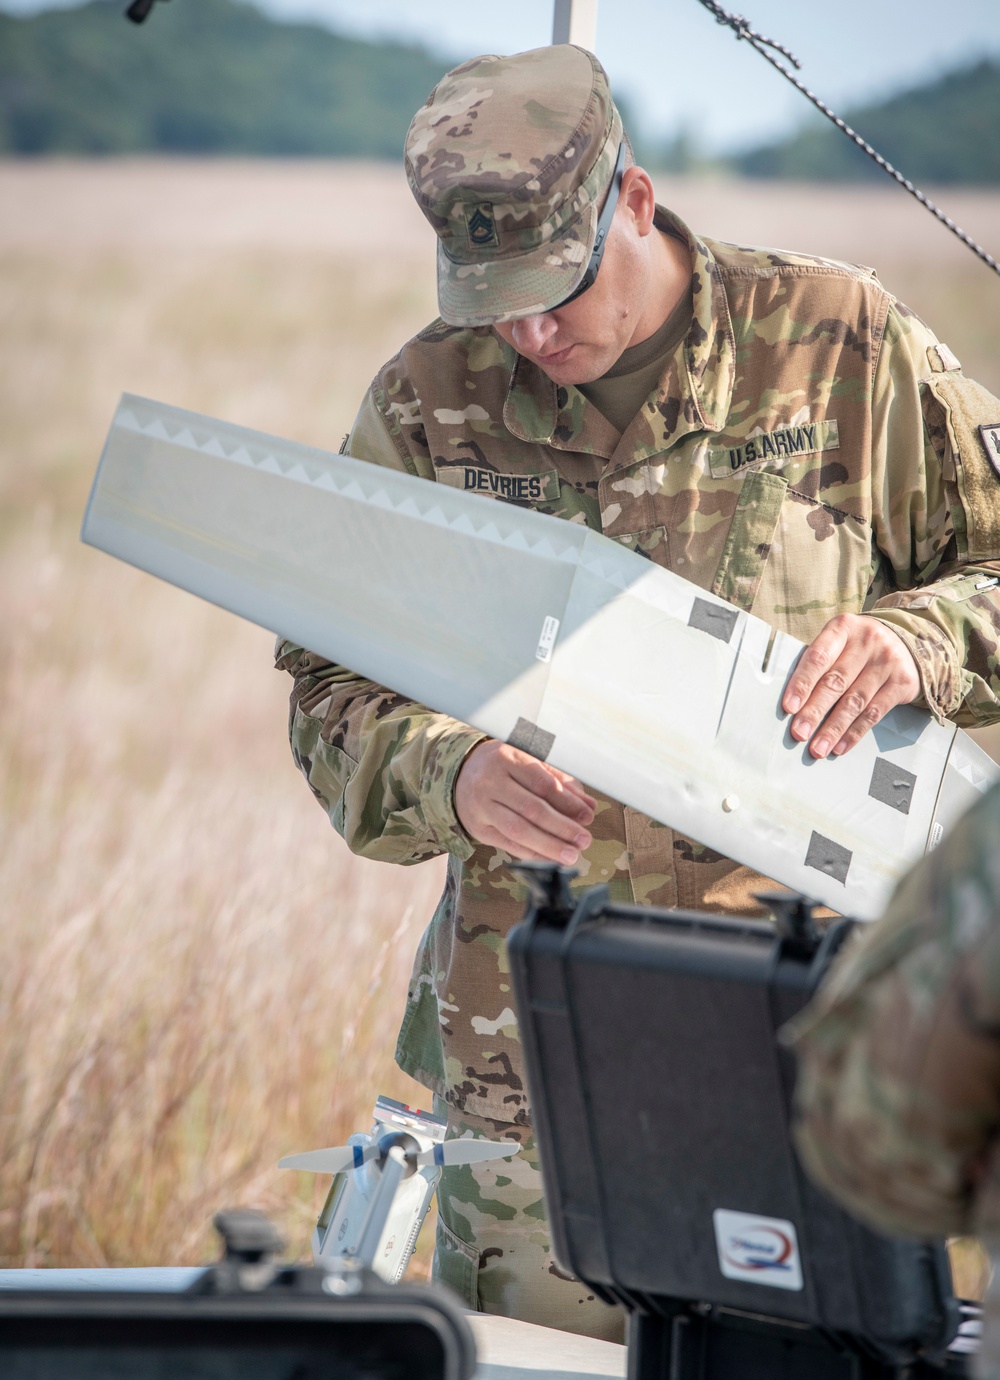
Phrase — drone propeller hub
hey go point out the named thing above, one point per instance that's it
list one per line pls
(400, 1140)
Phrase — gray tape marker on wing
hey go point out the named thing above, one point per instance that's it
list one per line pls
(829, 857)
(892, 784)
(713, 619)
(530, 738)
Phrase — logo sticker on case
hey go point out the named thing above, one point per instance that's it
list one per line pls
(760, 1250)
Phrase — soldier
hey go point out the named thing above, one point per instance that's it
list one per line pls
(771, 426)
(899, 1056)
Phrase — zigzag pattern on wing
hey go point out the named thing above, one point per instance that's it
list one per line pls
(369, 484)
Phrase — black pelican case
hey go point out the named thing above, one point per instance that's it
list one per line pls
(660, 1098)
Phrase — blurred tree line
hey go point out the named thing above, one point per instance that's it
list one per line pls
(203, 77)
(217, 76)
(945, 131)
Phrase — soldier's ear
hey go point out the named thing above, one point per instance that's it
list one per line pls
(638, 196)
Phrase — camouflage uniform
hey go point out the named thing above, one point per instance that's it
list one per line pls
(810, 449)
(899, 1056)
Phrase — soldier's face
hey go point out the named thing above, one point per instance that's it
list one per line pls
(581, 340)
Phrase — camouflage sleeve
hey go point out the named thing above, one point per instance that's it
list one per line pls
(898, 1094)
(936, 519)
(382, 767)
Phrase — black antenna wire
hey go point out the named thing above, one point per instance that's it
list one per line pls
(741, 28)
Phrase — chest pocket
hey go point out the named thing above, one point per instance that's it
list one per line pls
(817, 563)
(793, 560)
(475, 476)
(751, 536)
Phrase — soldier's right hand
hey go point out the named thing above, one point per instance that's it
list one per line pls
(508, 799)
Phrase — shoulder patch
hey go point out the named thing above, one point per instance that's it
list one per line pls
(991, 440)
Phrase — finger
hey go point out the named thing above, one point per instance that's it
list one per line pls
(569, 783)
(496, 838)
(543, 776)
(564, 778)
(540, 814)
(857, 710)
(839, 683)
(817, 660)
(525, 839)
(539, 779)
(875, 710)
(889, 695)
(574, 801)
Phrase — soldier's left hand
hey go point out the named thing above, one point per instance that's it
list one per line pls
(849, 678)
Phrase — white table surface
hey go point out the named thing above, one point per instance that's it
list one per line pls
(512, 1350)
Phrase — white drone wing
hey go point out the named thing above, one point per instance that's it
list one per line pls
(537, 631)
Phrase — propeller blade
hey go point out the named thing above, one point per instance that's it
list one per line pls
(332, 1160)
(468, 1151)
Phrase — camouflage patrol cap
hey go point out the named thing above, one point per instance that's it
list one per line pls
(509, 160)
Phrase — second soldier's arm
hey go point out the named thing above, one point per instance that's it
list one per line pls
(899, 1056)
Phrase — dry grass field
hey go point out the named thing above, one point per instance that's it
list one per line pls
(195, 976)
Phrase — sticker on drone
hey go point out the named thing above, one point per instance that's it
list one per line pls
(760, 1250)
(547, 640)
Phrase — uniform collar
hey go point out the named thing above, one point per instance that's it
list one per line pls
(694, 393)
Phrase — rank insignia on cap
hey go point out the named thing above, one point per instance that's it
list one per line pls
(991, 440)
(481, 226)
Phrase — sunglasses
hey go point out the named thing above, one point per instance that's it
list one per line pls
(603, 226)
